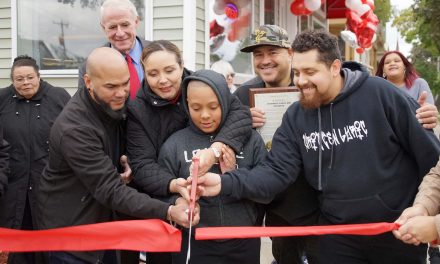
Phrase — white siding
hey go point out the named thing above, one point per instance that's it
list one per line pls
(5, 43)
(168, 21)
(200, 35)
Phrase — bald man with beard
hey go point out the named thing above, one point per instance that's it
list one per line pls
(82, 182)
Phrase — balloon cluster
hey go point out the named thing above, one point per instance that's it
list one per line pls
(229, 24)
(305, 7)
(362, 23)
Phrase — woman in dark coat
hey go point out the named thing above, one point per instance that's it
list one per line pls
(157, 112)
(28, 108)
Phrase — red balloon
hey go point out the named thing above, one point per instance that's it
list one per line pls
(231, 11)
(360, 50)
(365, 34)
(353, 20)
(299, 9)
(371, 17)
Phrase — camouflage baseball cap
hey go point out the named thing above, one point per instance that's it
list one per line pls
(268, 35)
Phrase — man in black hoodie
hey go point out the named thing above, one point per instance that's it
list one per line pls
(358, 143)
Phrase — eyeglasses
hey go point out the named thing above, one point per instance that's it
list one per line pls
(23, 79)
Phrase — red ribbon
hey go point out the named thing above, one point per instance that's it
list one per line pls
(253, 232)
(139, 235)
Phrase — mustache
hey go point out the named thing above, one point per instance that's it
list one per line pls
(306, 86)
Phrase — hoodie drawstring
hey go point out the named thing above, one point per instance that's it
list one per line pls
(331, 129)
(319, 151)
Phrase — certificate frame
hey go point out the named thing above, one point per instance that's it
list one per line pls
(254, 91)
(274, 102)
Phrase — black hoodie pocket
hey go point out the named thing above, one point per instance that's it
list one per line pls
(360, 210)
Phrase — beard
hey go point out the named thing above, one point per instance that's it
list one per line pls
(313, 102)
(115, 114)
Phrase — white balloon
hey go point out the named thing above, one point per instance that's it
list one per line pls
(223, 20)
(350, 38)
(312, 5)
(227, 50)
(349, 4)
(358, 6)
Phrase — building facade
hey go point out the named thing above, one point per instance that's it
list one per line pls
(60, 34)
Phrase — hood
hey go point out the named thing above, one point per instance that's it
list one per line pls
(354, 75)
(146, 94)
(218, 84)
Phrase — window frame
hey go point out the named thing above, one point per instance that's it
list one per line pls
(68, 73)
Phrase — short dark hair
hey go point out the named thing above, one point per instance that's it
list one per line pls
(163, 45)
(326, 44)
(25, 60)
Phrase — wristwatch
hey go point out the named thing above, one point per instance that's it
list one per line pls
(216, 152)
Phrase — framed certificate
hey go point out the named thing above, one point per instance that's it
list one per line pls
(274, 102)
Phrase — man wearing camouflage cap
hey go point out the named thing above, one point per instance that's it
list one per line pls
(272, 56)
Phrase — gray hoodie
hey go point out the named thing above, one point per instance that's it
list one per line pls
(177, 151)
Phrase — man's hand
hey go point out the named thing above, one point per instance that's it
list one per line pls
(180, 185)
(126, 176)
(209, 184)
(227, 159)
(421, 228)
(427, 113)
(407, 214)
(179, 213)
(258, 118)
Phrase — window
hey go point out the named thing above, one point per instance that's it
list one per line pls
(60, 34)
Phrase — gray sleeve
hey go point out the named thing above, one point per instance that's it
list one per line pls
(421, 85)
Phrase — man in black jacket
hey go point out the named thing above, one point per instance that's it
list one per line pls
(272, 58)
(81, 183)
(4, 163)
(358, 143)
(119, 20)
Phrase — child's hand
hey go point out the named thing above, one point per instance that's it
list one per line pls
(421, 228)
(126, 176)
(180, 185)
(227, 159)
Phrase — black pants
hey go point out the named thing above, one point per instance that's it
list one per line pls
(289, 250)
(26, 257)
(380, 249)
(231, 251)
(64, 258)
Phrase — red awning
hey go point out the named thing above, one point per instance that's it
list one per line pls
(336, 9)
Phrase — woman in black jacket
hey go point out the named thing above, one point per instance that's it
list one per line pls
(28, 108)
(157, 112)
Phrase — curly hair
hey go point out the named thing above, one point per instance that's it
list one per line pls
(25, 60)
(326, 44)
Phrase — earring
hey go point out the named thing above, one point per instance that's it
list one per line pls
(384, 75)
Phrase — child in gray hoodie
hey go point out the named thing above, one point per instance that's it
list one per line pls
(207, 100)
